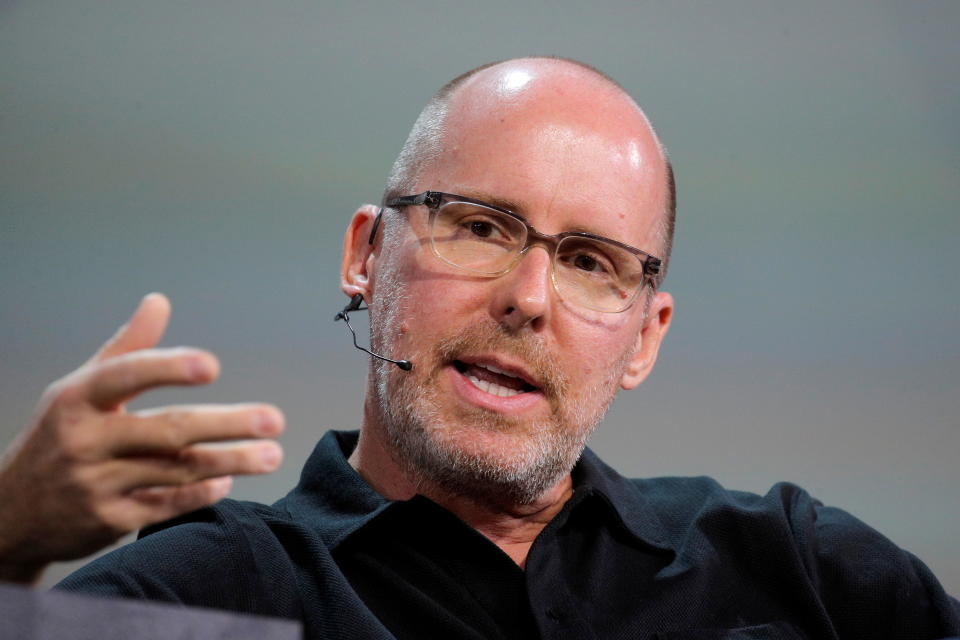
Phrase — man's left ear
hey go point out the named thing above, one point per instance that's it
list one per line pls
(655, 327)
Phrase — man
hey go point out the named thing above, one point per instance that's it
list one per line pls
(517, 265)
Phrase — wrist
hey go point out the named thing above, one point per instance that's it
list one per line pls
(17, 558)
(28, 573)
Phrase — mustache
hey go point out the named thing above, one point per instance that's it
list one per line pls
(491, 337)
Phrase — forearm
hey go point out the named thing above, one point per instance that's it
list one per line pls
(16, 563)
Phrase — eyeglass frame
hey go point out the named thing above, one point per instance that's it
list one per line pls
(433, 200)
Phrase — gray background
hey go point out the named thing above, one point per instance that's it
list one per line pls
(215, 151)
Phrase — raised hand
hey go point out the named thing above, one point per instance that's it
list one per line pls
(86, 471)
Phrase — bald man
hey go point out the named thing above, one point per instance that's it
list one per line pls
(513, 276)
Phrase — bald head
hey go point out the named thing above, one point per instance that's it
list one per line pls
(546, 105)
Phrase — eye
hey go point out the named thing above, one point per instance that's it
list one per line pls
(586, 263)
(587, 258)
(481, 229)
(470, 223)
(589, 262)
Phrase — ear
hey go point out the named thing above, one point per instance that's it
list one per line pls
(655, 327)
(358, 254)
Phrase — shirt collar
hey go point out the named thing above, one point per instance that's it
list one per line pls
(333, 499)
(623, 497)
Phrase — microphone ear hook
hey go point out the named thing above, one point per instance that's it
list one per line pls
(354, 305)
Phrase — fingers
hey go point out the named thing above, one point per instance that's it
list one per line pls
(156, 504)
(190, 465)
(119, 379)
(95, 472)
(143, 331)
(169, 429)
(168, 501)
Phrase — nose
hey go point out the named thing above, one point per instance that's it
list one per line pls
(523, 296)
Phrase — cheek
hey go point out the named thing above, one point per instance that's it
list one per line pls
(434, 309)
(596, 355)
(439, 298)
(585, 366)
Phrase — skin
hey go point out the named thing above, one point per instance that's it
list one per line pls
(568, 152)
(86, 471)
(561, 146)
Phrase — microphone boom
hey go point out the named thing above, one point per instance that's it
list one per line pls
(354, 305)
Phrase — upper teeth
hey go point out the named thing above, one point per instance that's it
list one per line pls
(490, 367)
(492, 387)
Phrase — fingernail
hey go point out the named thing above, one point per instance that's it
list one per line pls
(264, 423)
(270, 455)
(198, 368)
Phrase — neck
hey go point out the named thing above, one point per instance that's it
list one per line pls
(512, 527)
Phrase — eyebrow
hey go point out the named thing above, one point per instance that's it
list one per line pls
(515, 208)
(510, 205)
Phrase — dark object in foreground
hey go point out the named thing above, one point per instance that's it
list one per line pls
(28, 614)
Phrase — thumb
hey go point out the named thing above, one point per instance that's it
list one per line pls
(144, 329)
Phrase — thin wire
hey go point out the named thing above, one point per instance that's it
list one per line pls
(354, 305)
(343, 316)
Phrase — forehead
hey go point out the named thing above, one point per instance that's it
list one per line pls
(569, 150)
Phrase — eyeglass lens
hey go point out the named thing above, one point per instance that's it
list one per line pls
(586, 271)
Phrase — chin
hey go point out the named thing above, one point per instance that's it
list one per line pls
(492, 460)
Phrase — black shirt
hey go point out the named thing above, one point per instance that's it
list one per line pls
(660, 558)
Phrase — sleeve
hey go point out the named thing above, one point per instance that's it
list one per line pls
(205, 559)
(870, 587)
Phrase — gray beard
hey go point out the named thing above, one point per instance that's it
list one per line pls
(417, 436)
(420, 438)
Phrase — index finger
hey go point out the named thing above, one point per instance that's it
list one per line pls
(115, 381)
(143, 331)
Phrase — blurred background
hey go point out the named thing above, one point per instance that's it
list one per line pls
(215, 151)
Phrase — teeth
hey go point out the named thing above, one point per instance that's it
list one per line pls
(492, 387)
(490, 367)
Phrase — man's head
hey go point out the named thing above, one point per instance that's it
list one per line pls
(424, 144)
(510, 377)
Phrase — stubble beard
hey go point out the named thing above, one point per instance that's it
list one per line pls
(440, 448)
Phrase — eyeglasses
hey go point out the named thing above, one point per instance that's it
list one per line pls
(588, 270)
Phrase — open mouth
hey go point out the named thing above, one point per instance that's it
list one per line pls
(493, 380)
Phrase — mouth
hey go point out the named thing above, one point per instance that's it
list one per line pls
(502, 381)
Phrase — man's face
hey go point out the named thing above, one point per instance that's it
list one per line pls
(509, 380)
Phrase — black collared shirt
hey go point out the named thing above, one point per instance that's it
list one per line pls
(661, 558)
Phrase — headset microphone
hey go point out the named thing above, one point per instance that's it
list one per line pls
(354, 305)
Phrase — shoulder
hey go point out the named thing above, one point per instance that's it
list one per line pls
(228, 521)
(786, 513)
(785, 536)
(681, 500)
(228, 556)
